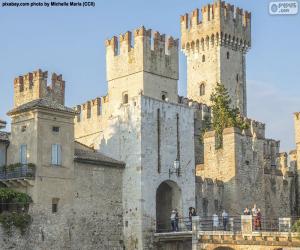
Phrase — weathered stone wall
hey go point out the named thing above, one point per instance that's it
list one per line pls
(209, 196)
(244, 165)
(152, 177)
(92, 219)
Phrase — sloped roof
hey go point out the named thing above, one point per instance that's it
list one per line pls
(97, 158)
(41, 103)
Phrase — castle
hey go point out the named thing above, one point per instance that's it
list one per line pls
(109, 171)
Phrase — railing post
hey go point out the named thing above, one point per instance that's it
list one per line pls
(284, 224)
(246, 224)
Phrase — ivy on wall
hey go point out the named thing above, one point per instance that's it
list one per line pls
(14, 206)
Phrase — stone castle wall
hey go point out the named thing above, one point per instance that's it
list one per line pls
(91, 220)
(244, 165)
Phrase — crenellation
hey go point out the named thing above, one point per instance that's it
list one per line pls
(33, 85)
(89, 110)
(141, 55)
(221, 20)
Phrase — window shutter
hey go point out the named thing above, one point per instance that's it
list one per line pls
(58, 154)
(23, 154)
(54, 154)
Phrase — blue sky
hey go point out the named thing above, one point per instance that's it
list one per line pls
(71, 41)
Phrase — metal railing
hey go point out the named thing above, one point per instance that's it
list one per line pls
(22, 171)
(233, 224)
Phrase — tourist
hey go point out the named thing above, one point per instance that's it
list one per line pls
(176, 220)
(173, 220)
(254, 215)
(247, 211)
(215, 219)
(225, 219)
(192, 212)
(258, 220)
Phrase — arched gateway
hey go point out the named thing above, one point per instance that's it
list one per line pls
(168, 197)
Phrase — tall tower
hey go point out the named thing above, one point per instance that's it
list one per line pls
(141, 64)
(215, 48)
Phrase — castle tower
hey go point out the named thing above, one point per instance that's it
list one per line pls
(33, 86)
(42, 132)
(148, 67)
(215, 48)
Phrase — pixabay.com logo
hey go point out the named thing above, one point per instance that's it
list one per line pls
(283, 8)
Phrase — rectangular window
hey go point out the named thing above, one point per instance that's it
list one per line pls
(56, 154)
(55, 129)
(23, 154)
(54, 205)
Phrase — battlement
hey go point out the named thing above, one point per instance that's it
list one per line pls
(256, 129)
(222, 24)
(90, 109)
(145, 51)
(33, 85)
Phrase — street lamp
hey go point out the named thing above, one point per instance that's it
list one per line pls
(176, 168)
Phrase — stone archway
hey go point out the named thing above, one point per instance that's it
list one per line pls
(168, 197)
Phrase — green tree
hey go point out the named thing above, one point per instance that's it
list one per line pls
(223, 115)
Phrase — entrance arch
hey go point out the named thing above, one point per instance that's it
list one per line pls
(168, 197)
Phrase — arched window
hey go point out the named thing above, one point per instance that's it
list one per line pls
(202, 89)
(203, 58)
(227, 55)
(125, 98)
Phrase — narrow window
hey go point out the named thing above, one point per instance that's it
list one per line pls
(55, 129)
(23, 128)
(56, 154)
(227, 55)
(125, 98)
(55, 205)
(203, 58)
(23, 154)
(237, 77)
(216, 202)
(158, 141)
(202, 89)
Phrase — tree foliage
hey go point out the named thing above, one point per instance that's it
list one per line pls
(223, 114)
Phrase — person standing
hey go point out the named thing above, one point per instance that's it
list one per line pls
(247, 211)
(176, 220)
(254, 215)
(173, 220)
(215, 219)
(258, 220)
(225, 219)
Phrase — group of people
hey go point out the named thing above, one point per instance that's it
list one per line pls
(225, 220)
(175, 218)
(256, 214)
